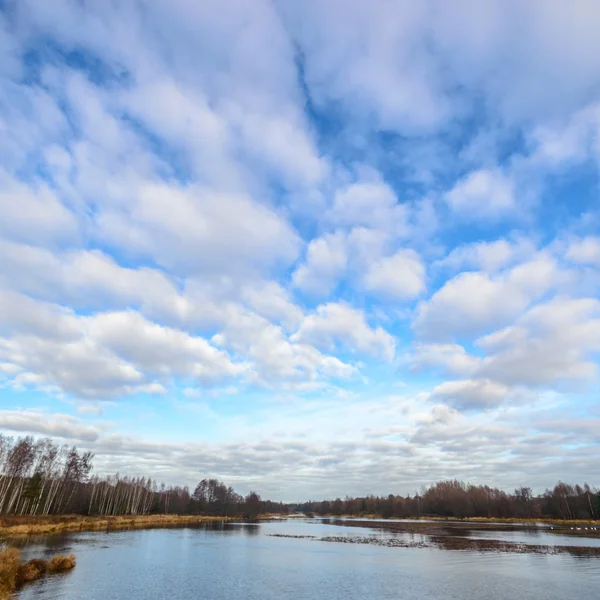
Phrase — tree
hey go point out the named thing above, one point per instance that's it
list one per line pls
(252, 505)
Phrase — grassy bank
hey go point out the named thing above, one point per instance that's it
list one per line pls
(23, 526)
(14, 574)
(559, 522)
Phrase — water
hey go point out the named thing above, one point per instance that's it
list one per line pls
(245, 561)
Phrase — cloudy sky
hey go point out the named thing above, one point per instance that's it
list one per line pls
(311, 247)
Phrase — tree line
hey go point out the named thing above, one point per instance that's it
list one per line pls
(457, 499)
(40, 477)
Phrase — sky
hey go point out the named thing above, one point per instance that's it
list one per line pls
(311, 248)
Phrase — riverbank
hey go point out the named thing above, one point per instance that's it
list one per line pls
(490, 520)
(18, 526)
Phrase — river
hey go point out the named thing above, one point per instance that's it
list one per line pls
(259, 561)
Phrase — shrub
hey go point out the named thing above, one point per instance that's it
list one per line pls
(31, 571)
(60, 563)
(9, 565)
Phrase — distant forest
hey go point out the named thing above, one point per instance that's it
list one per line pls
(40, 477)
(457, 499)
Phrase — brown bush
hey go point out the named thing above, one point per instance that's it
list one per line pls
(13, 574)
(60, 563)
(31, 571)
(9, 566)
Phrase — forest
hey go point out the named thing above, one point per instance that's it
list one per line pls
(41, 478)
(456, 499)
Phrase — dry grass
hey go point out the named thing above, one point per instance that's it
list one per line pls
(31, 571)
(525, 521)
(9, 567)
(13, 574)
(565, 523)
(61, 563)
(24, 526)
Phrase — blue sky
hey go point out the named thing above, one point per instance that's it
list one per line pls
(310, 248)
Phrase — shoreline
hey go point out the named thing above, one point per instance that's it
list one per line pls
(20, 526)
(490, 520)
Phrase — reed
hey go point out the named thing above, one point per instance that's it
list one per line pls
(61, 563)
(9, 567)
(14, 574)
(25, 526)
(30, 571)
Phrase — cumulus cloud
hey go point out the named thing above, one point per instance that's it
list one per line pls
(552, 343)
(401, 276)
(253, 196)
(190, 230)
(585, 251)
(369, 203)
(488, 256)
(326, 261)
(104, 355)
(473, 302)
(451, 359)
(337, 323)
(34, 213)
(486, 194)
(55, 425)
(471, 394)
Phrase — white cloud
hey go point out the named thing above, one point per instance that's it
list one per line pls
(369, 203)
(473, 302)
(273, 302)
(471, 393)
(57, 425)
(156, 195)
(326, 261)
(551, 344)
(374, 62)
(451, 358)
(401, 276)
(488, 256)
(585, 251)
(486, 194)
(33, 213)
(103, 355)
(336, 323)
(277, 359)
(191, 230)
(85, 278)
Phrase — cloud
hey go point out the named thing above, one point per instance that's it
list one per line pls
(401, 276)
(252, 196)
(190, 230)
(471, 394)
(336, 323)
(56, 425)
(277, 358)
(34, 213)
(551, 344)
(104, 355)
(473, 302)
(585, 251)
(369, 203)
(367, 63)
(452, 359)
(486, 194)
(488, 256)
(326, 261)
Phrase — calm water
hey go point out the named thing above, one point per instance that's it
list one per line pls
(243, 561)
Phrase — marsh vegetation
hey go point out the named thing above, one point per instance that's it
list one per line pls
(14, 573)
